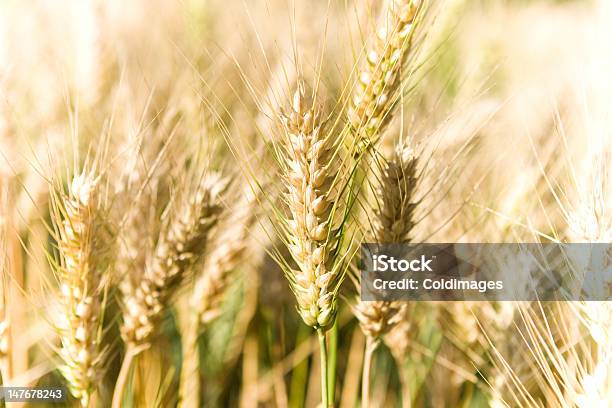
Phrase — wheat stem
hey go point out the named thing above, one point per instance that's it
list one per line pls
(370, 347)
(189, 389)
(126, 365)
(333, 360)
(181, 244)
(324, 365)
(393, 208)
(313, 230)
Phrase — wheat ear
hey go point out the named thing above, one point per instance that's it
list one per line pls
(210, 289)
(132, 248)
(379, 79)
(82, 250)
(181, 243)
(312, 235)
(313, 227)
(392, 222)
(393, 205)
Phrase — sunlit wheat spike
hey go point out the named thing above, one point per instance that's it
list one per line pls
(181, 243)
(379, 78)
(392, 206)
(377, 317)
(311, 232)
(394, 190)
(138, 226)
(140, 186)
(82, 245)
(223, 259)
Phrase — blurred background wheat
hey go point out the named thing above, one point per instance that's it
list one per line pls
(184, 187)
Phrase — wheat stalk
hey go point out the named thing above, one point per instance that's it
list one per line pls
(368, 113)
(180, 245)
(379, 78)
(82, 248)
(139, 222)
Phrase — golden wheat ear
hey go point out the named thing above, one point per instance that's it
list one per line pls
(231, 246)
(390, 211)
(180, 245)
(312, 233)
(380, 77)
(83, 242)
(311, 218)
(182, 241)
(392, 205)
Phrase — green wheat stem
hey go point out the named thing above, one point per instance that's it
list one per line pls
(299, 376)
(332, 363)
(323, 354)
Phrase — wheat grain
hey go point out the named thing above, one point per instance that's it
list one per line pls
(81, 244)
(138, 226)
(377, 317)
(141, 184)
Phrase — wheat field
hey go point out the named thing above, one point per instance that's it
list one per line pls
(185, 187)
